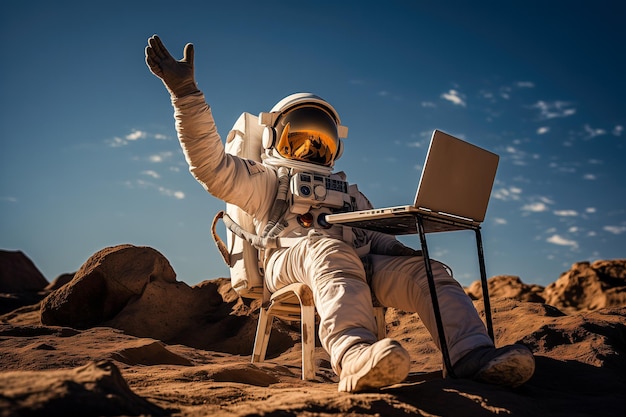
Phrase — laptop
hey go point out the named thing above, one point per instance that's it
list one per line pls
(452, 194)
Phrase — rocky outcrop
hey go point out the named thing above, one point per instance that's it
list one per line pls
(59, 281)
(134, 289)
(589, 286)
(507, 286)
(19, 274)
(21, 283)
(586, 286)
(104, 285)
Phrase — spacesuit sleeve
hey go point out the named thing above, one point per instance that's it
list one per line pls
(232, 179)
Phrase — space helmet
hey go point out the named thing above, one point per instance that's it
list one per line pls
(303, 128)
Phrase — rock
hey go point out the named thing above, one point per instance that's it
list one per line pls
(95, 389)
(153, 353)
(164, 310)
(104, 285)
(589, 286)
(507, 286)
(19, 274)
(134, 289)
(60, 281)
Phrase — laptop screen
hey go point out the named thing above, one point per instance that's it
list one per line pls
(457, 178)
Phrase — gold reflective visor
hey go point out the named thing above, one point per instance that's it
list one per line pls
(309, 134)
(307, 146)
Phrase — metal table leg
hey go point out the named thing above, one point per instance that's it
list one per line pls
(483, 283)
(435, 301)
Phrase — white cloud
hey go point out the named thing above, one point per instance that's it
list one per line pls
(160, 157)
(616, 230)
(561, 241)
(539, 204)
(566, 213)
(179, 195)
(151, 173)
(573, 229)
(133, 136)
(518, 156)
(590, 210)
(554, 109)
(116, 142)
(618, 130)
(525, 84)
(164, 191)
(543, 130)
(428, 104)
(455, 98)
(546, 200)
(507, 194)
(499, 220)
(536, 207)
(9, 199)
(136, 135)
(592, 133)
(590, 177)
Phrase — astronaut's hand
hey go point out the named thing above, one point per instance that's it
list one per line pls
(178, 76)
(401, 250)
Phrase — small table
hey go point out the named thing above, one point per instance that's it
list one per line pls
(428, 224)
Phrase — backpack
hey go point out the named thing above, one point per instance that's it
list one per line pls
(245, 141)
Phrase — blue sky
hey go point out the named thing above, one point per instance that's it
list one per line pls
(89, 156)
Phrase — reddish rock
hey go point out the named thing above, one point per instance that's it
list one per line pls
(134, 289)
(507, 286)
(59, 281)
(19, 274)
(104, 285)
(589, 286)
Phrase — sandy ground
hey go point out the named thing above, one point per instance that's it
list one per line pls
(101, 371)
(120, 367)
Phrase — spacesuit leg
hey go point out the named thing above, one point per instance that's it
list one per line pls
(334, 272)
(401, 282)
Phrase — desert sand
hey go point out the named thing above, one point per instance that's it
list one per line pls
(122, 336)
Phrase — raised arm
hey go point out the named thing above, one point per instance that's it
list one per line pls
(227, 177)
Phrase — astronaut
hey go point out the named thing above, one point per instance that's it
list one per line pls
(342, 266)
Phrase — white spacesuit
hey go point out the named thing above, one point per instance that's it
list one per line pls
(342, 266)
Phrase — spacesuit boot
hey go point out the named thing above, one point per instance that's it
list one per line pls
(371, 366)
(509, 366)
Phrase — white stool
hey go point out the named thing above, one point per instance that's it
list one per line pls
(295, 302)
